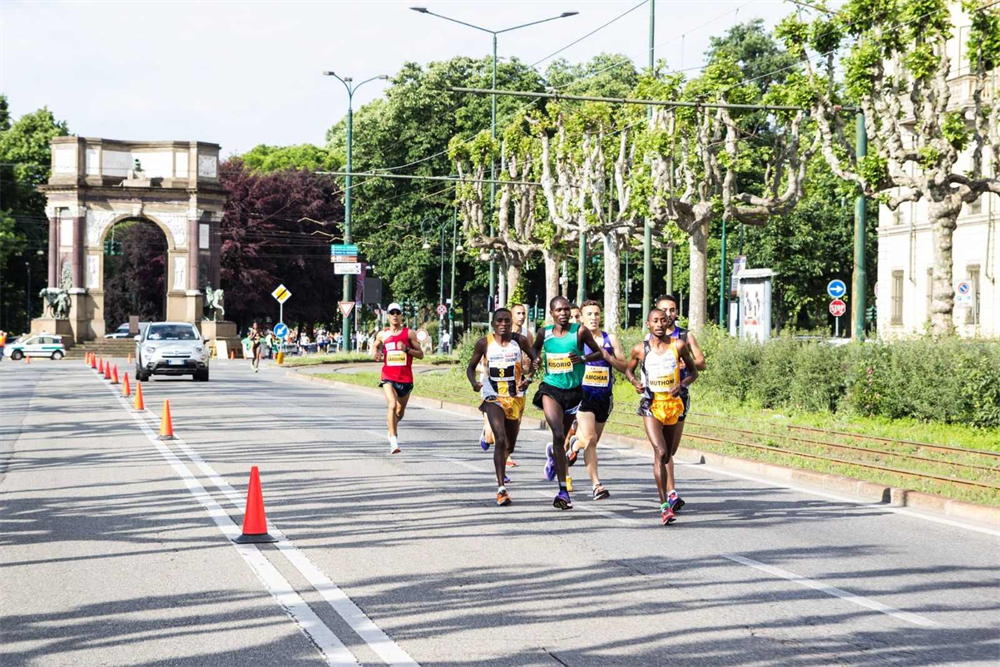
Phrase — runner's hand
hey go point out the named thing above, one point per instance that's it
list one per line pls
(638, 385)
(476, 386)
(536, 364)
(524, 384)
(575, 358)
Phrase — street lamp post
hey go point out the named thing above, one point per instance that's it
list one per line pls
(451, 305)
(493, 115)
(27, 266)
(350, 87)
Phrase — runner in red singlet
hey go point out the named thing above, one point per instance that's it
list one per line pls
(396, 347)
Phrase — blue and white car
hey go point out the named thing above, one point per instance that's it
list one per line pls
(39, 345)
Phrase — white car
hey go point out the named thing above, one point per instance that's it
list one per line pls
(171, 348)
(41, 345)
(122, 331)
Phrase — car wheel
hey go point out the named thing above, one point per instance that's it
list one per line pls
(17, 355)
(141, 376)
(201, 376)
(57, 355)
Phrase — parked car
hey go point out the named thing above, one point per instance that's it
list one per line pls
(171, 348)
(41, 345)
(122, 331)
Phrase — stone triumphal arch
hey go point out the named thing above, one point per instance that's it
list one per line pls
(97, 183)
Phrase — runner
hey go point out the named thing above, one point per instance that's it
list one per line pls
(660, 384)
(575, 316)
(597, 396)
(559, 394)
(668, 304)
(396, 347)
(519, 314)
(502, 389)
(255, 340)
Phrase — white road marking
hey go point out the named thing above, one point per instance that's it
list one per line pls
(593, 510)
(463, 464)
(315, 630)
(916, 619)
(373, 636)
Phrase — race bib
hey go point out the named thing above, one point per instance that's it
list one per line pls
(395, 358)
(663, 377)
(558, 363)
(597, 376)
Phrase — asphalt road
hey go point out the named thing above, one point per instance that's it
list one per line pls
(115, 547)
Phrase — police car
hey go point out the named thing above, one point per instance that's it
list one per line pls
(41, 345)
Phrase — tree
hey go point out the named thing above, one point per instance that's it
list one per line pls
(898, 71)
(267, 239)
(136, 279)
(266, 158)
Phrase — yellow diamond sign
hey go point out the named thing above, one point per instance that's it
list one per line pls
(281, 294)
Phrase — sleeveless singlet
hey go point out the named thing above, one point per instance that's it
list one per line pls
(660, 371)
(503, 368)
(560, 372)
(597, 377)
(396, 363)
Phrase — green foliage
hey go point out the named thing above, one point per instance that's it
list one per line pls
(946, 380)
(921, 61)
(859, 69)
(466, 345)
(955, 130)
(264, 158)
(983, 47)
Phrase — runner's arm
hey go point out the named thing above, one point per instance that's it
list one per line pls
(617, 357)
(413, 346)
(528, 350)
(634, 359)
(584, 337)
(377, 348)
(696, 353)
(692, 365)
(477, 356)
(537, 347)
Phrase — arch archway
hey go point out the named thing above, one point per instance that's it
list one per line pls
(135, 271)
(97, 184)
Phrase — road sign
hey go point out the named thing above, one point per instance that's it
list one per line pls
(346, 307)
(442, 310)
(837, 308)
(281, 294)
(280, 329)
(343, 252)
(422, 335)
(963, 294)
(347, 269)
(836, 288)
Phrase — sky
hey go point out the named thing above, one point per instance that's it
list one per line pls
(242, 73)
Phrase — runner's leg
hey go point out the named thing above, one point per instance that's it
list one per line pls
(494, 413)
(391, 402)
(590, 456)
(555, 417)
(678, 432)
(657, 434)
(401, 406)
(587, 434)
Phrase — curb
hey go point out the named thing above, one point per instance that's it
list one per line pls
(847, 486)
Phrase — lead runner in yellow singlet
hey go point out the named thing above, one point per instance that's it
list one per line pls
(659, 360)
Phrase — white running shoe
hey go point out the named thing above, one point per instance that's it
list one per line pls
(393, 445)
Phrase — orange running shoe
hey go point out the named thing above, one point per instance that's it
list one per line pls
(503, 499)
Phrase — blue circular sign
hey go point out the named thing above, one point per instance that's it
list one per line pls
(836, 288)
(280, 330)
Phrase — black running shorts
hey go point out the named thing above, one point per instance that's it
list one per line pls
(601, 404)
(402, 388)
(686, 397)
(568, 399)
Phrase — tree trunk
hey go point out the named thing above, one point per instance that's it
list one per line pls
(551, 280)
(501, 286)
(612, 283)
(513, 278)
(943, 215)
(698, 298)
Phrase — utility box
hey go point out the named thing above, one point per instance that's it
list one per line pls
(755, 304)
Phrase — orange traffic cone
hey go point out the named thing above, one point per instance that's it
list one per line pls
(128, 360)
(107, 371)
(232, 354)
(254, 519)
(166, 426)
(27, 359)
(126, 390)
(138, 404)
(114, 375)
(100, 366)
(93, 361)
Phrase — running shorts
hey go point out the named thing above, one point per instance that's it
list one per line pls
(513, 406)
(402, 388)
(664, 408)
(600, 404)
(685, 396)
(568, 399)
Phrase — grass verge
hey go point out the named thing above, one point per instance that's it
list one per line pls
(717, 416)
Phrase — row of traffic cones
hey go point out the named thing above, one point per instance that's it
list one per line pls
(254, 518)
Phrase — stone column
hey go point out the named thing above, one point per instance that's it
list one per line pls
(79, 233)
(54, 251)
(193, 244)
(215, 248)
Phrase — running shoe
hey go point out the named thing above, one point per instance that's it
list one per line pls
(676, 502)
(511, 463)
(600, 493)
(550, 464)
(506, 479)
(572, 455)
(482, 442)
(393, 446)
(503, 498)
(562, 501)
(667, 516)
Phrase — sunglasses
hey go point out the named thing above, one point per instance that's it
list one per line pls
(395, 312)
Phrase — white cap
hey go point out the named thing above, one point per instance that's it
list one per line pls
(393, 306)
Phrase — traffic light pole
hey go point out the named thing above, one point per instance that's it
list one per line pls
(859, 282)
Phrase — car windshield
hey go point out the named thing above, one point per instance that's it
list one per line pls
(172, 332)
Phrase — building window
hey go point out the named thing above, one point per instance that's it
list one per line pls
(930, 291)
(975, 207)
(972, 314)
(897, 297)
